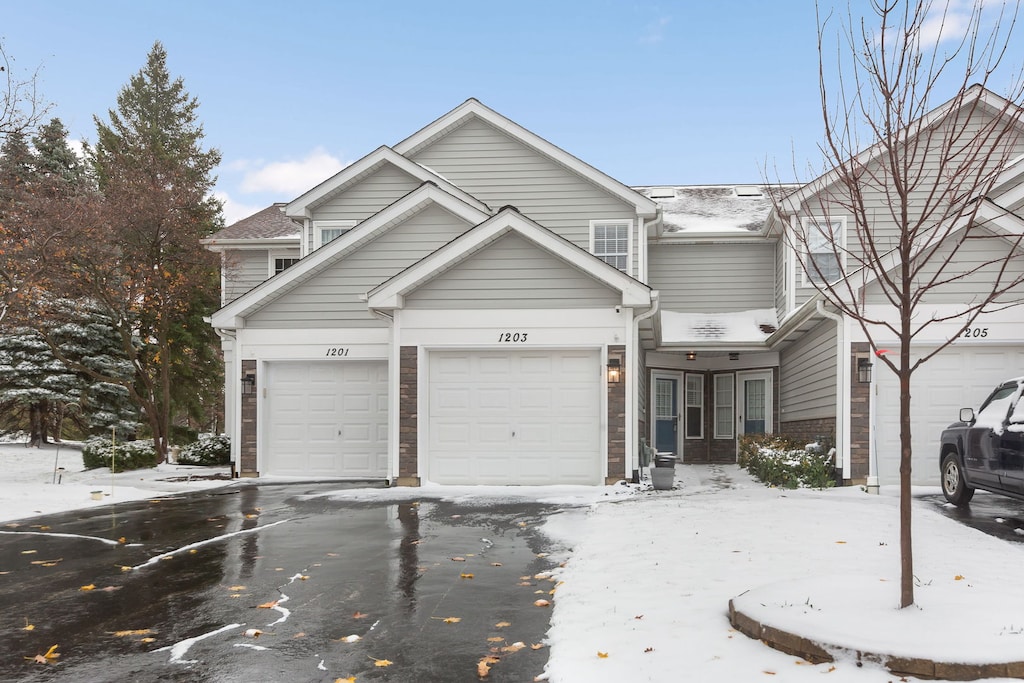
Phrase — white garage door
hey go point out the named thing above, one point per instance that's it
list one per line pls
(515, 417)
(326, 419)
(959, 377)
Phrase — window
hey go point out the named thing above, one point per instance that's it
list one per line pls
(724, 422)
(695, 406)
(329, 230)
(824, 241)
(609, 241)
(283, 264)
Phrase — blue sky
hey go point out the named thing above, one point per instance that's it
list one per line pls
(684, 92)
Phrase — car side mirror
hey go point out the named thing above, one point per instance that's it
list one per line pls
(967, 414)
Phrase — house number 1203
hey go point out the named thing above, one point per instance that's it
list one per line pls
(504, 337)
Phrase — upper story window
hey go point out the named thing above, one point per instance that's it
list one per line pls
(609, 241)
(824, 242)
(283, 264)
(329, 230)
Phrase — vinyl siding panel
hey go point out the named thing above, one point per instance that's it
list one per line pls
(499, 170)
(243, 270)
(713, 278)
(807, 371)
(512, 273)
(332, 298)
(365, 198)
(781, 283)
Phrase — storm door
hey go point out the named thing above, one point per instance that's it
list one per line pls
(756, 403)
(666, 414)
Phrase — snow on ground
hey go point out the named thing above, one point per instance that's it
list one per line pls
(29, 485)
(644, 592)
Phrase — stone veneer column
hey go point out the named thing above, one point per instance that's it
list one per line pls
(860, 416)
(617, 419)
(247, 432)
(407, 417)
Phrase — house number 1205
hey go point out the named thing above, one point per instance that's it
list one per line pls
(337, 351)
(511, 337)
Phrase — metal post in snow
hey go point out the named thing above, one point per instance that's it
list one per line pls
(113, 450)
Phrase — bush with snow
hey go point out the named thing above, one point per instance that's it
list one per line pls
(779, 461)
(128, 455)
(210, 449)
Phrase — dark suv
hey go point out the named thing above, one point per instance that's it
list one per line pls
(986, 451)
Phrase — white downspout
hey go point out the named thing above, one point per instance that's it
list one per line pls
(633, 385)
(842, 388)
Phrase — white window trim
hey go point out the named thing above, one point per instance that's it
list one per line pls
(719, 434)
(274, 255)
(805, 222)
(329, 224)
(628, 222)
(687, 406)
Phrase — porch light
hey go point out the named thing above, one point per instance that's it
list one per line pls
(691, 355)
(614, 371)
(248, 384)
(864, 370)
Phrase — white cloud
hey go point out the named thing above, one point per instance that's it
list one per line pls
(290, 178)
(235, 211)
(940, 26)
(655, 31)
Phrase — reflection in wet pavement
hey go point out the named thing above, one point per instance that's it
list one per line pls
(324, 590)
(992, 514)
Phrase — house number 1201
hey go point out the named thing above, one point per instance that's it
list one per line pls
(511, 337)
(337, 351)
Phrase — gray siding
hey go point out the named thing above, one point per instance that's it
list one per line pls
(368, 196)
(973, 254)
(243, 270)
(333, 298)
(500, 171)
(781, 284)
(512, 273)
(807, 372)
(713, 278)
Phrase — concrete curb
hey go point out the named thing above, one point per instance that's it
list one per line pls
(817, 653)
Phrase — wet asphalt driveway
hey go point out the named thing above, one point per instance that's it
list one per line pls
(266, 583)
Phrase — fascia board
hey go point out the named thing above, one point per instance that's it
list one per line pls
(645, 207)
(387, 296)
(1002, 222)
(350, 241)
(251, 243)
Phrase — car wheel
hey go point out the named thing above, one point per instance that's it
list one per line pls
(954, 488)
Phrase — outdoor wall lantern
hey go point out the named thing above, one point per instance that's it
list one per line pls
(691, 355)
(248, 384)
(864, 370)
(614, 371)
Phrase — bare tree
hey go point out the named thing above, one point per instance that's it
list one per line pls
(917, 201)
(21, 106)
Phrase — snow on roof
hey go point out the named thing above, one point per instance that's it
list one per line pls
(735, 327)
(715, 208)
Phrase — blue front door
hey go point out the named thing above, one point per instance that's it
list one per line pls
(666, 415)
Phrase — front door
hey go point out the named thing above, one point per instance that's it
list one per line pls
(666, 415)
(755, 403)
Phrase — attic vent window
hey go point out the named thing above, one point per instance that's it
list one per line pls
(748, 191)
(663, 193)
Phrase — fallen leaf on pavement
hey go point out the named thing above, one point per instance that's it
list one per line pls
(541, 603)
(252, 633)
(602, 655)
(89, 587)
(465, 576)
(350, 639)
(458, 559)
(268, 605)
(237, 588)
(483, 667)
(514, 647)
(359, 615)
(136, 632)
(502, 624)
(382, 662)
(537, 646)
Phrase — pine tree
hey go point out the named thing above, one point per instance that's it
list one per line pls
(140, 260)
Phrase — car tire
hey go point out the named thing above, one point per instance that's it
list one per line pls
(954, 487)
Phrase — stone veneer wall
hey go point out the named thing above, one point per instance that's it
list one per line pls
(408, 417)
(860, 416)
(617, 420)
(247, 432)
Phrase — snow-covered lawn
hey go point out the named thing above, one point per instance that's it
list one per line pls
(644, 592)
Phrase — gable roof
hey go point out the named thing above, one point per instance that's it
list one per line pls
(233, 315)
(972, 96)
(302, 206)
(473, 108)
(268, 224)
(714, 210)
(390, 294)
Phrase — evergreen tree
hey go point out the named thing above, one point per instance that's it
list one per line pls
(33, 385)
(141, 260)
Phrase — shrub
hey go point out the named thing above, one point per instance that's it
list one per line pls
(129, 455)
(210, 449)
(779, 461)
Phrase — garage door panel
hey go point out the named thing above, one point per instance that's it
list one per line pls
(515, 409)
(326, 419)
(958, 377)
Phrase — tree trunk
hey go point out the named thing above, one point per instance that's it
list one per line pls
(906, 546)
(36, 424)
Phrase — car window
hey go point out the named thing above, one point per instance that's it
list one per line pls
(993, 411)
